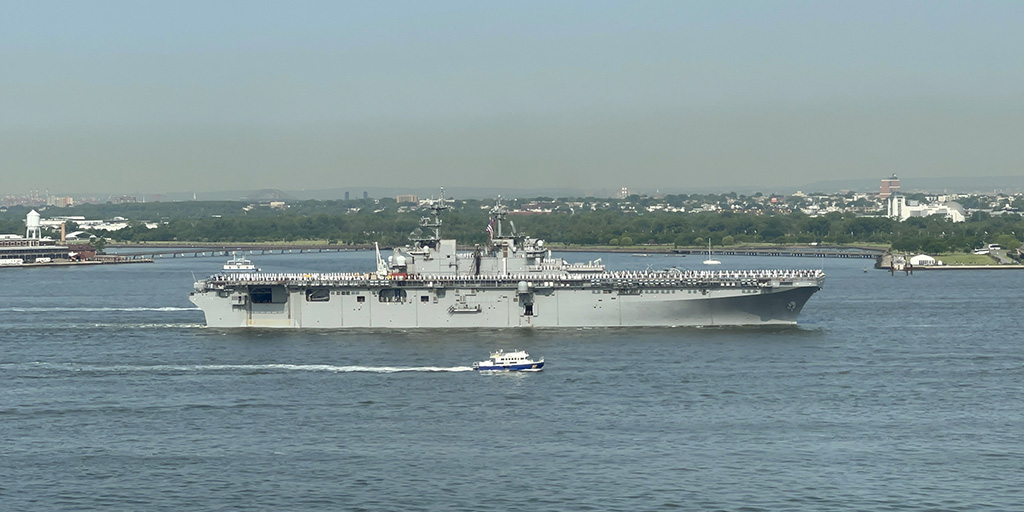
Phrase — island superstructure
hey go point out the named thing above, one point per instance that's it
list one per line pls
(513, 281)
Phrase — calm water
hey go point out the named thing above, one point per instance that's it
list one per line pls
(894, 393)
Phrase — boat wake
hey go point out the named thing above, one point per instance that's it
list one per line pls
(219, 368)
(144, 326)
(30, 328)
(93, 310)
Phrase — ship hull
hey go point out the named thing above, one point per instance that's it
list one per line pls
(290, 307)
(514, 281)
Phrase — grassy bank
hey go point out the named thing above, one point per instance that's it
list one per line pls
(966, 259)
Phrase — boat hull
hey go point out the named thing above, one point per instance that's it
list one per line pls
(530, 367)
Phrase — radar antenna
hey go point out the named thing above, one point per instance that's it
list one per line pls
(499, 211)
(431, 222)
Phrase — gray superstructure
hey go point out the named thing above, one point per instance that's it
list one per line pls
(512, 282)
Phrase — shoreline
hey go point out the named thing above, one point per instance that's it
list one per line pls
(968, 267)
(67, 263)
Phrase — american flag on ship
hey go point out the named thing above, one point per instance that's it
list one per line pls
(490, 229)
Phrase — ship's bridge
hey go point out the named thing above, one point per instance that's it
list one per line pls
(424, 259)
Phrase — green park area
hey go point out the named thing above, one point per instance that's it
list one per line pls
(601, 225)
(958, 259)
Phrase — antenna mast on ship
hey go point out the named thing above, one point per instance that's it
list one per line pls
(499, 212)
(432, 222)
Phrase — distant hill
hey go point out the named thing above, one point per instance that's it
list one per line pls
(378, 192)
(269, 194)
(960, 185)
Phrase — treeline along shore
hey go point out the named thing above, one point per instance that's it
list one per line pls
(363, 223)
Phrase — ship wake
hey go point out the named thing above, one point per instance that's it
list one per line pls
(250, 369)
(94, 309)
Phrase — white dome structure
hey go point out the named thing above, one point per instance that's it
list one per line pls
(922, 260)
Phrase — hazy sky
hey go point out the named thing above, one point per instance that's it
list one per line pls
(217, 95)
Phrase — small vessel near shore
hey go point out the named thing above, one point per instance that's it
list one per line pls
(239, 264)
(709, 260)
(514, 361)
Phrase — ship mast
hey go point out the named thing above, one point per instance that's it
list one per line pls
(499, 211)
(432, 222)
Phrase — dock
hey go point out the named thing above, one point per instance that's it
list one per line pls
(970, 267)
(100, 260)
(206, 251)
(201, 251)
(803, 252)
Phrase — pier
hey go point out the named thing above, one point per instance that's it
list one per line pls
(806, 252)
(103, 259)
(971, 267)
(201, 251)
(207, 251)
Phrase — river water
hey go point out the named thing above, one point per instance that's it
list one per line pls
(894, 393)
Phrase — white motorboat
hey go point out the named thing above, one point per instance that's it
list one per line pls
(514, 361)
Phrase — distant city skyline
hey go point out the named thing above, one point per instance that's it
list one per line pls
(189, 97)
(975, 185)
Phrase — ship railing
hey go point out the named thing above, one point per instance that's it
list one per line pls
(647, 278)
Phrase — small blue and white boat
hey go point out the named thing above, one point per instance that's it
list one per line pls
(515, 361)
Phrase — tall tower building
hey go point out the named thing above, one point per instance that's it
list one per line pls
(889, 187)
(896, 204)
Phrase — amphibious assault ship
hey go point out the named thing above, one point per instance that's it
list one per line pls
(513, 281)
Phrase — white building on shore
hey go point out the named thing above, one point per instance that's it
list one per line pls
(16, 250)
(901, 209)
(924, 260)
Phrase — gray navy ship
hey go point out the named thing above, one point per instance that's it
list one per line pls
(514, 281)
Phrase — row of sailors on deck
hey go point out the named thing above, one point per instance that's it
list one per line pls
(626, 274)
(280, 276)
(770, 273)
